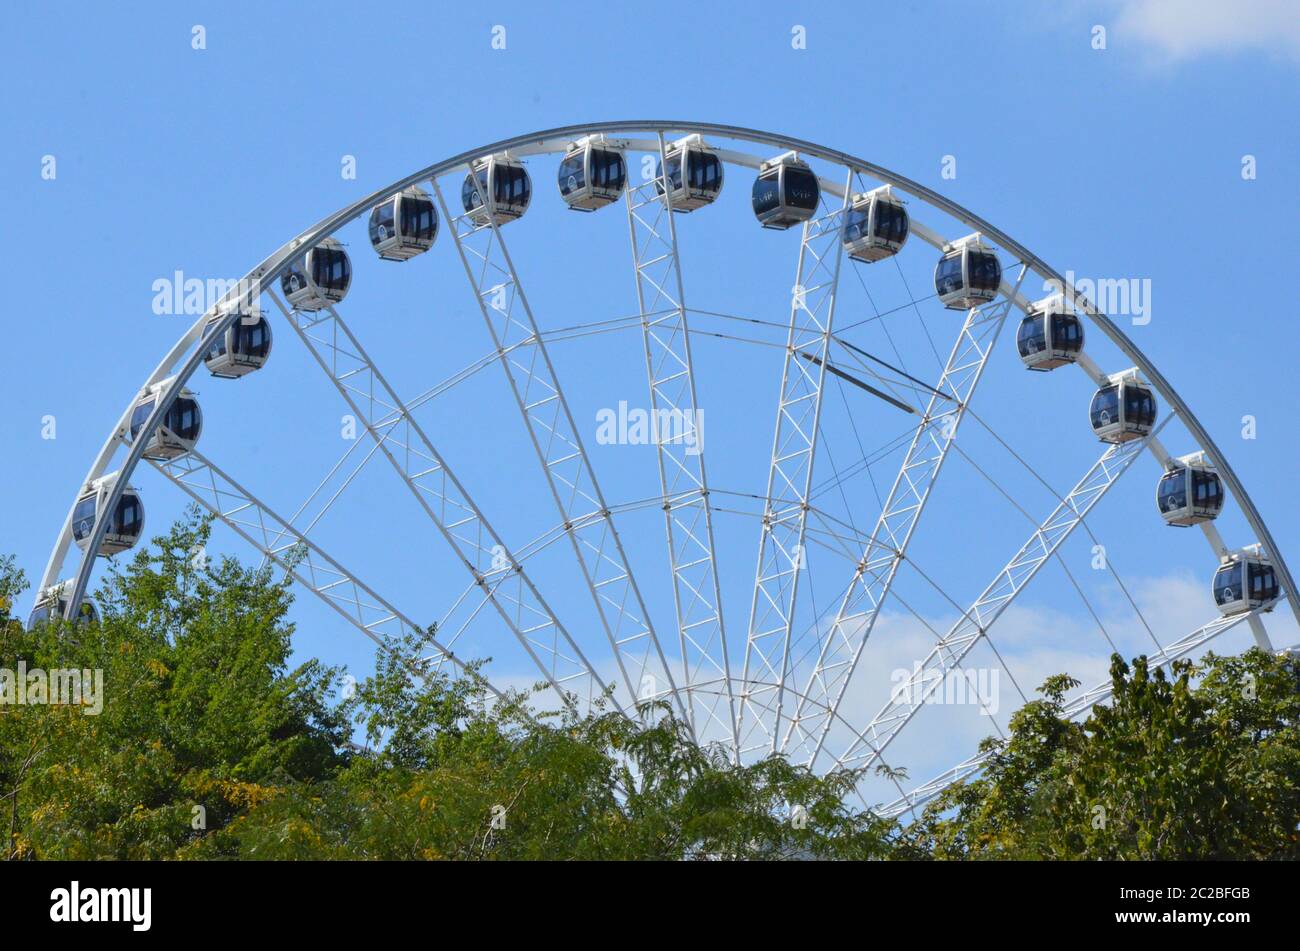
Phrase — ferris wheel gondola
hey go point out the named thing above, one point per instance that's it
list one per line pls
(125, 522)
(404, 225)
(785, 192)
(241, 349)
(503, 183)
(1050, 335)
(694, 175)
(52, 603)
(1123, 409)
(1246, 581)
(592, 174)
(1190, 491)
(968, 274)
(177, 433)
(876, 226)
(330, 270)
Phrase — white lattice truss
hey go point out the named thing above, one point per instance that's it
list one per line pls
(980, 617)
(688, 518)
(355, 601)
(494, 569)
(840, 649)
(584, 513)
(782, 557)
(1079, 705)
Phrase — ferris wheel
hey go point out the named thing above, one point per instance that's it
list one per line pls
(743, 579)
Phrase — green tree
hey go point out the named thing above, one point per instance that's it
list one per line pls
(203, 710)
(211, 744)
(1203, 763)
(456, 774)
(201, 715)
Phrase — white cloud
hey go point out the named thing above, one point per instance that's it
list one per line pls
(1182, 29)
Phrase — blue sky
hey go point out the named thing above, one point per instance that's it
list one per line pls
(1122, 162)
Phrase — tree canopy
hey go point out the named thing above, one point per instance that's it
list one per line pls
(213, 743)
(1203, 763)
(210, 745)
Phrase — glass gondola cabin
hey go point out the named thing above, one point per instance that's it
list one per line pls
(591, 175)
(124, 524)
(503, 184)
(52, 602)
(876, 226)
(693, 177)
(785, 192)
(967, 275)
(1190, 491)
(1123, 409)
(330, 270)
(404, 226)
(243, 347)
(1050, 335)
(1245, 581)
(177, 433)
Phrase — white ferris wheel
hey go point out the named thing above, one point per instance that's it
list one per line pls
(741, 570)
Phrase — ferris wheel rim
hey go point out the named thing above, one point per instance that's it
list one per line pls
(208, 326)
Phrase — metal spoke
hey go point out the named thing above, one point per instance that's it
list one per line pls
(1078, 706)
(279, 542)
(446, 502)
(997, 596)
(560, 451)
(781, 554)
(688, 520)
(842, 646)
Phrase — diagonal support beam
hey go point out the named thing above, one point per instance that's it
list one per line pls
(278, 541)
(559, 448)
(446, 502)
(965, 633)
(688, 518)
(782, 556)
(1075, 708)
(842, 646)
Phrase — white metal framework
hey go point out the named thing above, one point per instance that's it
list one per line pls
(781, 554)
(1078, 706)
(444, 499)
(355, 601)
(792, 678)
(841, 648)
(947, 655)
(555, 439)
(688, 516)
